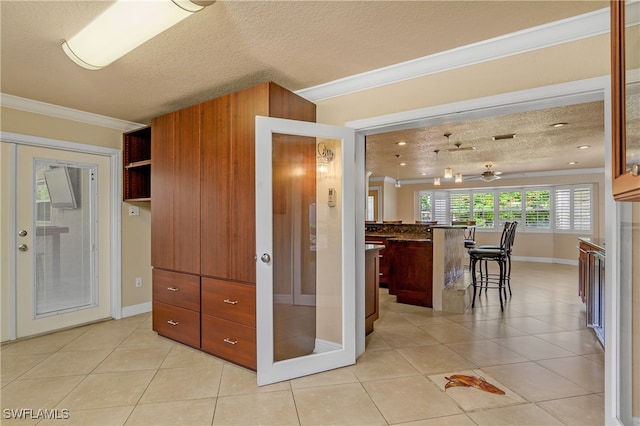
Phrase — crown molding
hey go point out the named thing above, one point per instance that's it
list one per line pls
(540, 37)
(37, 107)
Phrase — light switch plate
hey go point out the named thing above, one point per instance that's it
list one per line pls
(134, 211)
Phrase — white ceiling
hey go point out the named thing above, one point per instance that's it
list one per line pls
(231, 45)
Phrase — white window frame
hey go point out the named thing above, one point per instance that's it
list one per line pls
(446, 194)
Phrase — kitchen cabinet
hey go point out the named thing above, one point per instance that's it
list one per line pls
(625, 152)
(411, 271)
(203, 214)
(591, 283)
(371, 285)
(383, 259)
(136, 175)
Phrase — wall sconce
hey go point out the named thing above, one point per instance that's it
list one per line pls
(323, 157)
(123, 27)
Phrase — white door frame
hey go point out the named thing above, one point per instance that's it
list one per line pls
(115, 156)
(618, 313)
(268, 370)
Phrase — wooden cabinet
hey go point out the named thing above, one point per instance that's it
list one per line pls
(203, 214)
(411, 274)
(383, 259)
(229, 320)
(624, 100)
(371, 285)
(175, 214)
(591, 283)
(176, 306)
(136, 177)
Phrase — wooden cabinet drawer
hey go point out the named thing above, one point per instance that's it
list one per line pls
(177, 289)
(229, 340)
(229, 300)
(177, 323)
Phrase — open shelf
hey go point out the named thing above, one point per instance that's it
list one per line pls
(137, 165)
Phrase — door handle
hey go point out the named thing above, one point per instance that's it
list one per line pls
(23, 247)
(265, 258)
(22, 233)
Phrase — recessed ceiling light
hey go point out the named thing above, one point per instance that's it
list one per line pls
(403, 164)
(584, 146)
(562, 124)
(402, 143)
(571, 163)
(423, 173)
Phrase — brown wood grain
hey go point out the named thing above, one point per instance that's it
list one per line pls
(162, 223)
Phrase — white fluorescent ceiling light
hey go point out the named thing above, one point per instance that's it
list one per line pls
(123, 27)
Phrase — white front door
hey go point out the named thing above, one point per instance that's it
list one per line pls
(305, 243)
(63, 237)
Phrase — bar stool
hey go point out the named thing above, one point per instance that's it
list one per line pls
(508, 265)
(469, 235)
(502, 256)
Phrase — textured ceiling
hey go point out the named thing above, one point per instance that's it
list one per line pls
(231, 45)
(536, 146)
(235, 44)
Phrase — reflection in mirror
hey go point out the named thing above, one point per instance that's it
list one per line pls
(307, 269)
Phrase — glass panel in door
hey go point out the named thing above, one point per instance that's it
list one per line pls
(64, 270)
(63, 239)
(305, 285)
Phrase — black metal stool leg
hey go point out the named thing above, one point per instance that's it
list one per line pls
(474, 280)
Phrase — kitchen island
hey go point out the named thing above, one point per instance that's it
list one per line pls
(422, 260)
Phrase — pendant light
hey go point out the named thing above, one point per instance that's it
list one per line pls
(436, 180)
(397, 185)
(448, 172)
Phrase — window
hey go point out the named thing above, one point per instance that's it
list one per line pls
(509, 207)
(483, 212)
(538, 209)
(573, 208)
(460, 207)
(426, 207)
(43, 202)
(547, 209)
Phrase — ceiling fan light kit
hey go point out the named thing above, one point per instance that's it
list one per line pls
(489, 175)
(124, 26)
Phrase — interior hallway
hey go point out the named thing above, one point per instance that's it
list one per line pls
(538, 351)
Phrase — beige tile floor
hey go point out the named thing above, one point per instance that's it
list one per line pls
(538, 351)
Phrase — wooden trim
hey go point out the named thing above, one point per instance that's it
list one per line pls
(626, 187)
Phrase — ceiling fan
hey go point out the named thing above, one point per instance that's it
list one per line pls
(489, 175)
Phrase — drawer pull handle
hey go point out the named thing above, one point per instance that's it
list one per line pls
(231, 302)
(173, 323)
(173, 289)
(229, 341)
(380, 274)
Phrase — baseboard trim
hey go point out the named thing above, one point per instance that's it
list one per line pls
(140, 308)
(545, 260)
